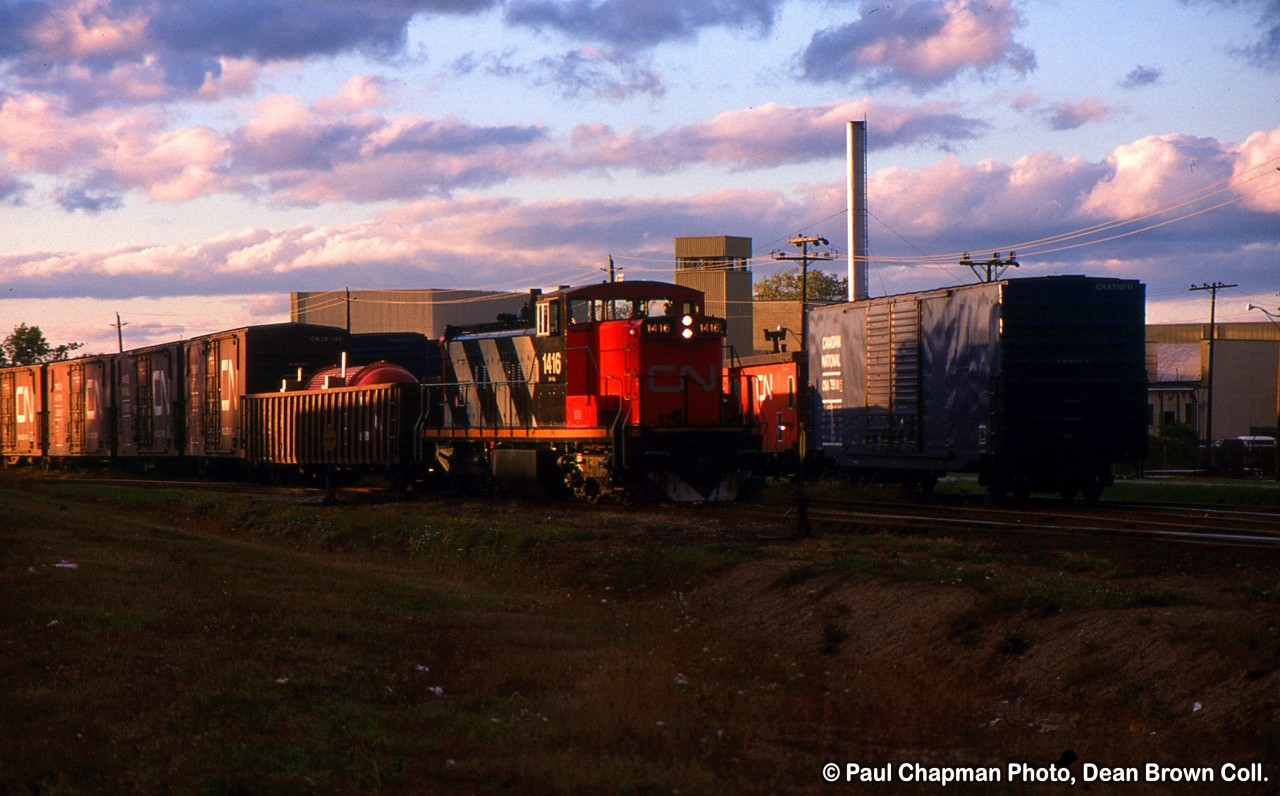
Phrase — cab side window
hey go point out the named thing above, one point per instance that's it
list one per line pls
(548, 318)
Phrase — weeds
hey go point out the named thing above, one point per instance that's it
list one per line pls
(229, 644)
(965, 628)
(1014, 643)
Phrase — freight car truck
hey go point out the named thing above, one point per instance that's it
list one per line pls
(1037, 384)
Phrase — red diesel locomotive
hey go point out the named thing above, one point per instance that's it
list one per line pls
(612, 387)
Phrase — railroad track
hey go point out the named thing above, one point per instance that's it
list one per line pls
(1177, 524)
(1205, 525)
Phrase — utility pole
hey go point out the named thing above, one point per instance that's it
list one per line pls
(802, 364)
(804, 257)
(120, 332)
(1213, 334)
(994, 268)
(348, 310)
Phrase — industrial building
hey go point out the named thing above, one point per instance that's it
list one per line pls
(426, 311)
(1246, 373)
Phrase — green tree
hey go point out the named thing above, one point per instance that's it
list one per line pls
(26, 345)
(785, 286)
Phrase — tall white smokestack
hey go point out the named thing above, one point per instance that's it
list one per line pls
(857, 207)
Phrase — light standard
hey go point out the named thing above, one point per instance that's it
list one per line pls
(1275, 321)
(1213, 329)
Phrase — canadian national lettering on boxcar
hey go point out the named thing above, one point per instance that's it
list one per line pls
(150, 402)
(22, 397)
(80, 407)
(1038, 384)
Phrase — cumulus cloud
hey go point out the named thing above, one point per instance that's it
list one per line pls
(1070, 115)
(1035, 204)
(769, 135)
(111, 152)
(641, 23)
(1141, 76)
(467, 242)
(343, 147)
(1153, 171)
(1065, 114)
(306, 155)
(599, 72)
(985, 202)
(1257, 169)
(603, 73)
(79, 197)
(98, 52)
(918, 45)
(12, 190)
(1263, 53)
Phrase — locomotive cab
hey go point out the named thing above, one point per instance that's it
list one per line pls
(636, 354)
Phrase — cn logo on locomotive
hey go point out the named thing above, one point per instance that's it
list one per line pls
(667, 378)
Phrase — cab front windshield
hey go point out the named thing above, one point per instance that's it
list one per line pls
(594, 310)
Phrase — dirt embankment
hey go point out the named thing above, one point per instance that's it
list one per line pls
(199, 642)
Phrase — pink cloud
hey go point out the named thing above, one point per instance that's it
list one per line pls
(37, 137)
(341, 148)
(919, 45)
(112, 150)
(358, 93)
(1155, 171)
(1258, 161)
(1070, 115)
(769, 135)
(85, 29)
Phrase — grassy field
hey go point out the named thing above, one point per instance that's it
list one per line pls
(174, 641)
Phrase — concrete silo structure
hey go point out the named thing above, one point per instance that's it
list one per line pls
(718, 266)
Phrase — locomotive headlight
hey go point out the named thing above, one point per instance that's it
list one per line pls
(687, 320)
(686, 332)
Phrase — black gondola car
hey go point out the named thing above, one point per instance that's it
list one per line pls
(1037, 384)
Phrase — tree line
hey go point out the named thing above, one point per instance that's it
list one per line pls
(785, 286)
(26, 345)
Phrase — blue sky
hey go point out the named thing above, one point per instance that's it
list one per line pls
(188, 164)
